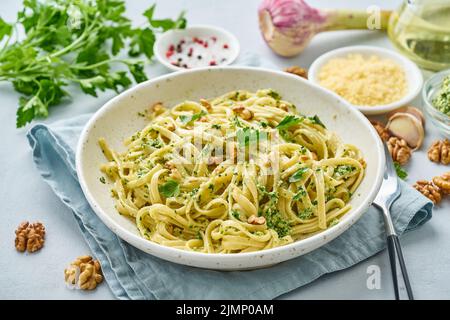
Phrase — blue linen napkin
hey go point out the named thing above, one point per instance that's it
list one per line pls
(133, 274)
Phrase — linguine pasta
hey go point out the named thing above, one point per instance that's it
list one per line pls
(238, 173)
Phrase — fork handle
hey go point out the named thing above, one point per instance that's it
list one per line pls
(392, 260)
(401, 262)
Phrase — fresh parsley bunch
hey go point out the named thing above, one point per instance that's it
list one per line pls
(73, 41)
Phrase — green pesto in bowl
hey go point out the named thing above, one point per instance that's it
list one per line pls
(442, 99)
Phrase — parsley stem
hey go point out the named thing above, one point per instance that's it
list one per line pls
(96, 65)
(88, 28)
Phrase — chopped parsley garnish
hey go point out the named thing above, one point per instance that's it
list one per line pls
(343, 170)
(333, 222)
(305, 214)
(193, 192)
(170, 189)
(236, 214)
(276, 222)
(102, 180)
(155, 143)
(401, 173)
(264, 124)
(316, 120)
(288, 122)
(216, 126)
(300, 194)
(189, 119)
(298, 175)
(273, 195)
(274, 94)
(248, 136)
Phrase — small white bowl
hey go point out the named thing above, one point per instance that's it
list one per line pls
(412, 72)
(200, 31)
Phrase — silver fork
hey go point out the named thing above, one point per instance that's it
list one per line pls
(388, 193)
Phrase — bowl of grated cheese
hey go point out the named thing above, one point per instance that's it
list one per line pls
(373, 80)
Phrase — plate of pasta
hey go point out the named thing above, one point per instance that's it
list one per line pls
(229, 168)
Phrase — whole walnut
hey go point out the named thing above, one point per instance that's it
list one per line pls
(381, 130)
(299, 71)
(440, 151)
(84, 271)
(30, 236)
(429, 190)
(443, 182)
(399, 150)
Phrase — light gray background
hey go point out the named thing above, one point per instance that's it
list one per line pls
(25, 196)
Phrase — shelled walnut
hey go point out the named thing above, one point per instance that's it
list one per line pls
(381, 129)
(244, 112)
(84, 271)
(439, 151)
(299, 71)
(399, 150)
(256, 220)
(443, 182)
(157, 108)
(429, 190)
(30, 237)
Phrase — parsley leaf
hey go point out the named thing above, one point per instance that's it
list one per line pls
(401, 173)
(170, 189)
(5, 29)
(316, 120)
(274, 95)
(288, 121)
(298, 175)
(189, 119)
(74, 42)
(236, 214)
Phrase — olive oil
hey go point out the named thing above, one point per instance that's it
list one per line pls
(421, 31)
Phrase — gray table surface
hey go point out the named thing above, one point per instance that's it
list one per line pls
(25, 196)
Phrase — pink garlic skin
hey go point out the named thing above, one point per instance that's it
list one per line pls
(288, 25)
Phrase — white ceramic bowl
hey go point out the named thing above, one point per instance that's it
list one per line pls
(201, 31)
(413, 74)
(119, 119)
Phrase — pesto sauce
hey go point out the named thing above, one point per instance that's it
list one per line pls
(442, 101)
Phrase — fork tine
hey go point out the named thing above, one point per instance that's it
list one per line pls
(390, 169)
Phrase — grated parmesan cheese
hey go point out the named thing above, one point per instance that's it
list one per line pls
(363, 81)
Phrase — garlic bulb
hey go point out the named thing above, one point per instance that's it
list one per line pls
(288, 25)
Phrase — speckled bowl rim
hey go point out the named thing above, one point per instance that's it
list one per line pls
(313, 242)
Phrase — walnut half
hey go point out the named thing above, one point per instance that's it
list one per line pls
(440, 152)
(443, 182)
(84, 271)
(429, 190)
(299, 71)
(30, 237)
(399, 150)
(256, 220)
